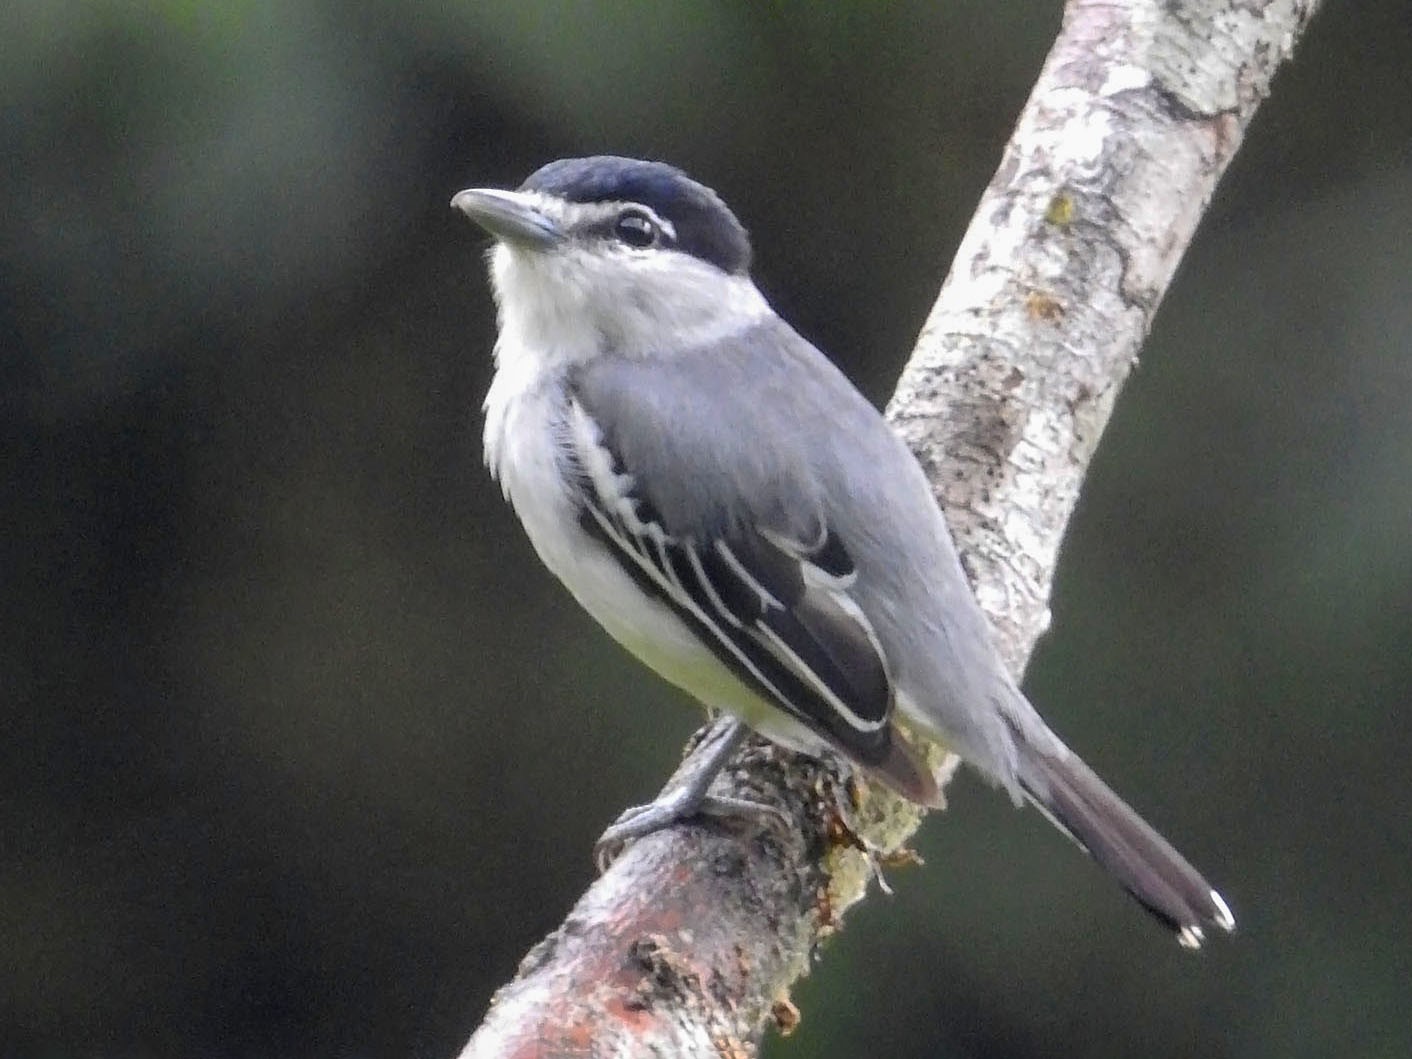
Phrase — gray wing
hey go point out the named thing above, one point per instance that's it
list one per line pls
(720, 517)
(750, 487)
(759, 436)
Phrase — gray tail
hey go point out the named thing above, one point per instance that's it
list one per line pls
(1081, 805)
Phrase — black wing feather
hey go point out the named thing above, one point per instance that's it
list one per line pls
(761, 603)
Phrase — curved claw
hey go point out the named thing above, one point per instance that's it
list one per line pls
(671, 808)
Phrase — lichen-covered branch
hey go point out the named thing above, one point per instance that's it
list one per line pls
(689, 944)
(1137, 112)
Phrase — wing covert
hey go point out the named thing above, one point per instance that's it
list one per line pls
(774, 608)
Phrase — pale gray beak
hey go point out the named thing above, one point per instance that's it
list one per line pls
(509, 216)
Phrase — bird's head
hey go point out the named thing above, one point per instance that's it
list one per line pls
(614, 254)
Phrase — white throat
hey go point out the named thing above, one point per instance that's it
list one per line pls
(571, 304)
(575, 302)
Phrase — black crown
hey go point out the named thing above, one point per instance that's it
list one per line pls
(705, 226)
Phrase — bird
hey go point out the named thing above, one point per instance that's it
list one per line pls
(717, 494)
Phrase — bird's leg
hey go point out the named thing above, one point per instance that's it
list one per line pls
(686, 797)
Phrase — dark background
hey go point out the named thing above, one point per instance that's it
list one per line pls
(301, 749)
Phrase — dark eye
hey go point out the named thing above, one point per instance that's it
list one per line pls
(635, 228)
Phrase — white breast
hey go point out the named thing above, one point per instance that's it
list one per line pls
(523, 447)
(555, 312)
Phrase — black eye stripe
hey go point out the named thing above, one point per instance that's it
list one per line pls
(636, 228)
(631, 225)
(690, 215)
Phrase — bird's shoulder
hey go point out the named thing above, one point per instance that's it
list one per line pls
(744, 429)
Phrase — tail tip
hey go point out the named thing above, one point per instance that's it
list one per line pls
(1224, 918)
(1191, 936)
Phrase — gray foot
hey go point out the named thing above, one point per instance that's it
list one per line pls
(685, 799)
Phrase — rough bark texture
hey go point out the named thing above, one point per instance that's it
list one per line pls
(689, 944)
(1138, 110)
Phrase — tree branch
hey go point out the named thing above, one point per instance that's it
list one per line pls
(689, 944)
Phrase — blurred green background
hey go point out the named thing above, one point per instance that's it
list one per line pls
(302, 749)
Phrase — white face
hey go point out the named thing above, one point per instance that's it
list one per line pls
(592, 293)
